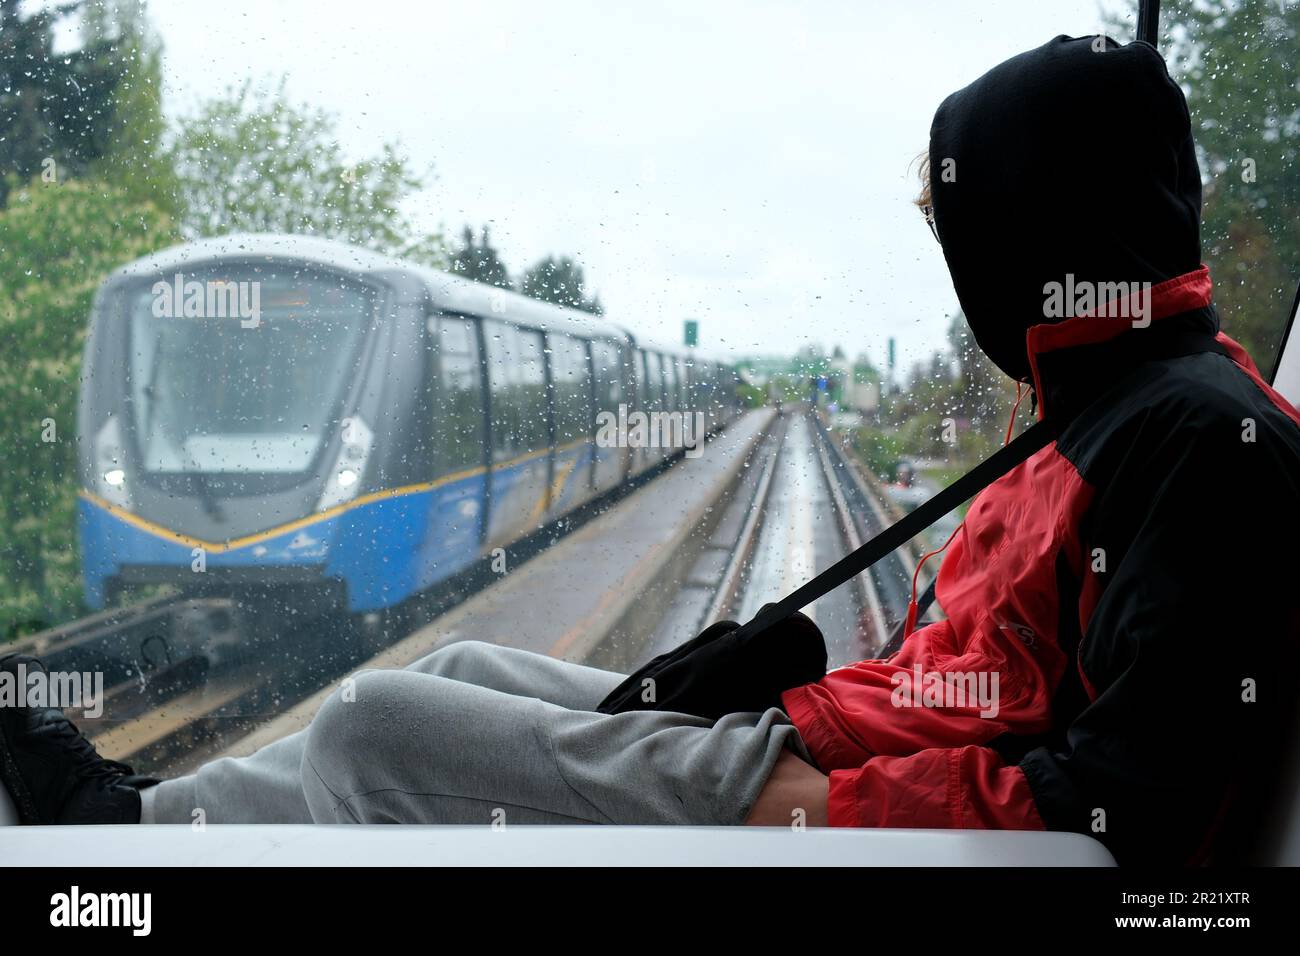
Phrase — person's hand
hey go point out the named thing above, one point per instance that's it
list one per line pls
(793, 786)
(715, 673)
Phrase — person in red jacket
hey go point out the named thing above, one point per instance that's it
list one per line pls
(1125, 589)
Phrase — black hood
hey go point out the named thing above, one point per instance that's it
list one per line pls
(1072, 158)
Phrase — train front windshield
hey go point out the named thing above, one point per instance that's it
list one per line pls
(251, 389)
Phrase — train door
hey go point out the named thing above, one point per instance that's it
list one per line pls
(668, 437)
(702, 394)
(571, 395)
(672, 384)
(520, 431)
(635, 382)
(458, 445)
(654, 400)
(610, 392)
(674, 433)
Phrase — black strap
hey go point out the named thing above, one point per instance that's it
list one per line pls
(1148, 24)
(1032, 439)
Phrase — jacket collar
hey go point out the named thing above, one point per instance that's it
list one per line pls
(1074, 360)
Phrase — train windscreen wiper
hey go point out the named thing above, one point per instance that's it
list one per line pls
(206, 498)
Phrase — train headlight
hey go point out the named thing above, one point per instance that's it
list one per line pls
(344, 480)
(110, 465)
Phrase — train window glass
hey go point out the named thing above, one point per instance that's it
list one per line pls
(517, 379)
(654, 382)
(535, 428)
(215, 393)
(571, 385)
(810, 269)
(609, 376)
(503, 389)
(1237, 64)
(633, 361)
(460, 426)
(700, 391)
(671, 392)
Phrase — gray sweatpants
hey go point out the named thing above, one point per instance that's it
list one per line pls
(476, 733)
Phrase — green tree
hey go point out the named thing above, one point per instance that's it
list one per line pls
(59, 241)
(56, 110)
(983, 390)
(478, 260)
(255, 162)
(1238, 62)
(134, 158)
(84, 191)
(561, 281)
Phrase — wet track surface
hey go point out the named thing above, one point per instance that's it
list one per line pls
(801, 535)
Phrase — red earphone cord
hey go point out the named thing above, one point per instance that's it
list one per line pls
(910, 625)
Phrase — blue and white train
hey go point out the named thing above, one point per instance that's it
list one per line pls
(307, 416)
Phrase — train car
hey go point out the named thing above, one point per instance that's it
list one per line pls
(306, 416)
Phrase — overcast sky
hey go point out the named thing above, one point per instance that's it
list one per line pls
(745, 164)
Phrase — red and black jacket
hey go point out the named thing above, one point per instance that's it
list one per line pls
(1130, 584)
(1127, 586)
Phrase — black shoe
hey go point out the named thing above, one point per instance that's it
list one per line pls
(51, 770)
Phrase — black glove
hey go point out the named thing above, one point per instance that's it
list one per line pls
(715, 673)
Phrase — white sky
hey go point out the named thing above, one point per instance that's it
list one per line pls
(745, 164)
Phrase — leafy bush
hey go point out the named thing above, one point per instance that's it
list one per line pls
(57, 243)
